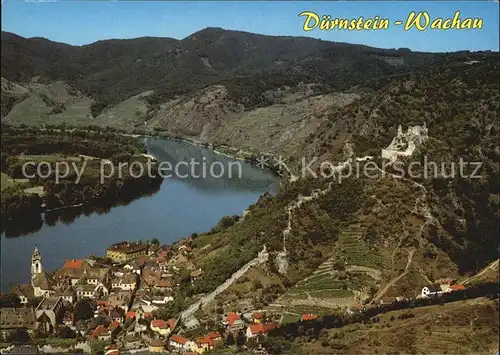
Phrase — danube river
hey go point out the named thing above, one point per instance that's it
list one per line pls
(183, 205)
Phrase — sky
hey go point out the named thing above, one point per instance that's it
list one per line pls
(84, 22)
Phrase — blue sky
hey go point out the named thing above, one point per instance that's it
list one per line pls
(83, 22)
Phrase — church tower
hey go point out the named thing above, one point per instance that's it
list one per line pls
(36, 263)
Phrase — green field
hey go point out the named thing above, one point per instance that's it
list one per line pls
(7, 182)
(356, 251)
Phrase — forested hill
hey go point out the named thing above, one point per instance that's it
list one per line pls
(113, 70)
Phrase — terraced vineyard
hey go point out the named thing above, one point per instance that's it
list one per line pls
(355, 250)
(342, 280)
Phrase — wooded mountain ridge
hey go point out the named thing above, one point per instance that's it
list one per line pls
(114, 70)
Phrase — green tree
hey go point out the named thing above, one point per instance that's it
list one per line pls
(240, 339)
(18, 336)
(65, 332)
(83, 310)
(9, 300)
(230, 339)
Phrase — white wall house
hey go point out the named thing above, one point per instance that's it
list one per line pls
(431, 290)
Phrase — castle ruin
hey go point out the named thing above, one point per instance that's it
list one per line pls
(404, 144)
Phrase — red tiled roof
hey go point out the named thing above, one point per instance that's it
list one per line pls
(309, 317)
(214, 335)
(148, 315)
(164, 283)
(114, 325)
(257, 315)
(159, 323)
(263, 328)
(171, 323)
(74, 264)
(232, 317)
(99, 330)
(178, 339)
(130, 315)
(156, 343)
(457, 287)
(204, 340)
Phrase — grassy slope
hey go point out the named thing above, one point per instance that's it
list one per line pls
(463, 327)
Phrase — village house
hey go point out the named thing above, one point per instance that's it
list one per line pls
(150, 276)
(49, 313)
(156, 346)
(431, 290)
(71, 272)
(161, 300)
(162, 327)
(158, 260)
(165, 267)
(456, 287)
(69, 319)
(136, 313)
(97, 275)
(75, 264)
(117, 314)
(257, 317)
(102, 289)
(195, 275)
(184, 249)
(112, 350)
(234, 323)
(164, 285)
(126, 282)
(114, 327)
(179, 343)
(102, 312)
(13, 319)
(130, 315)
(215, 336)
(68, 277)
(68, 295)
(86, 291)
(146, 304)
(105, 333)
(132, 340)
(309, 316)
(120, 298)
(24, 292)
(181, 261)
(206, 343)
(43, 285)
(133, 268)
(125, 251)
(260, 329)
(100, 333)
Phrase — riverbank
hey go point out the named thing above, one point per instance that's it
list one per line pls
(260, 160)
(179, 208)
(64, 170)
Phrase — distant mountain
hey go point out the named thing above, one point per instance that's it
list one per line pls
(114, 70)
